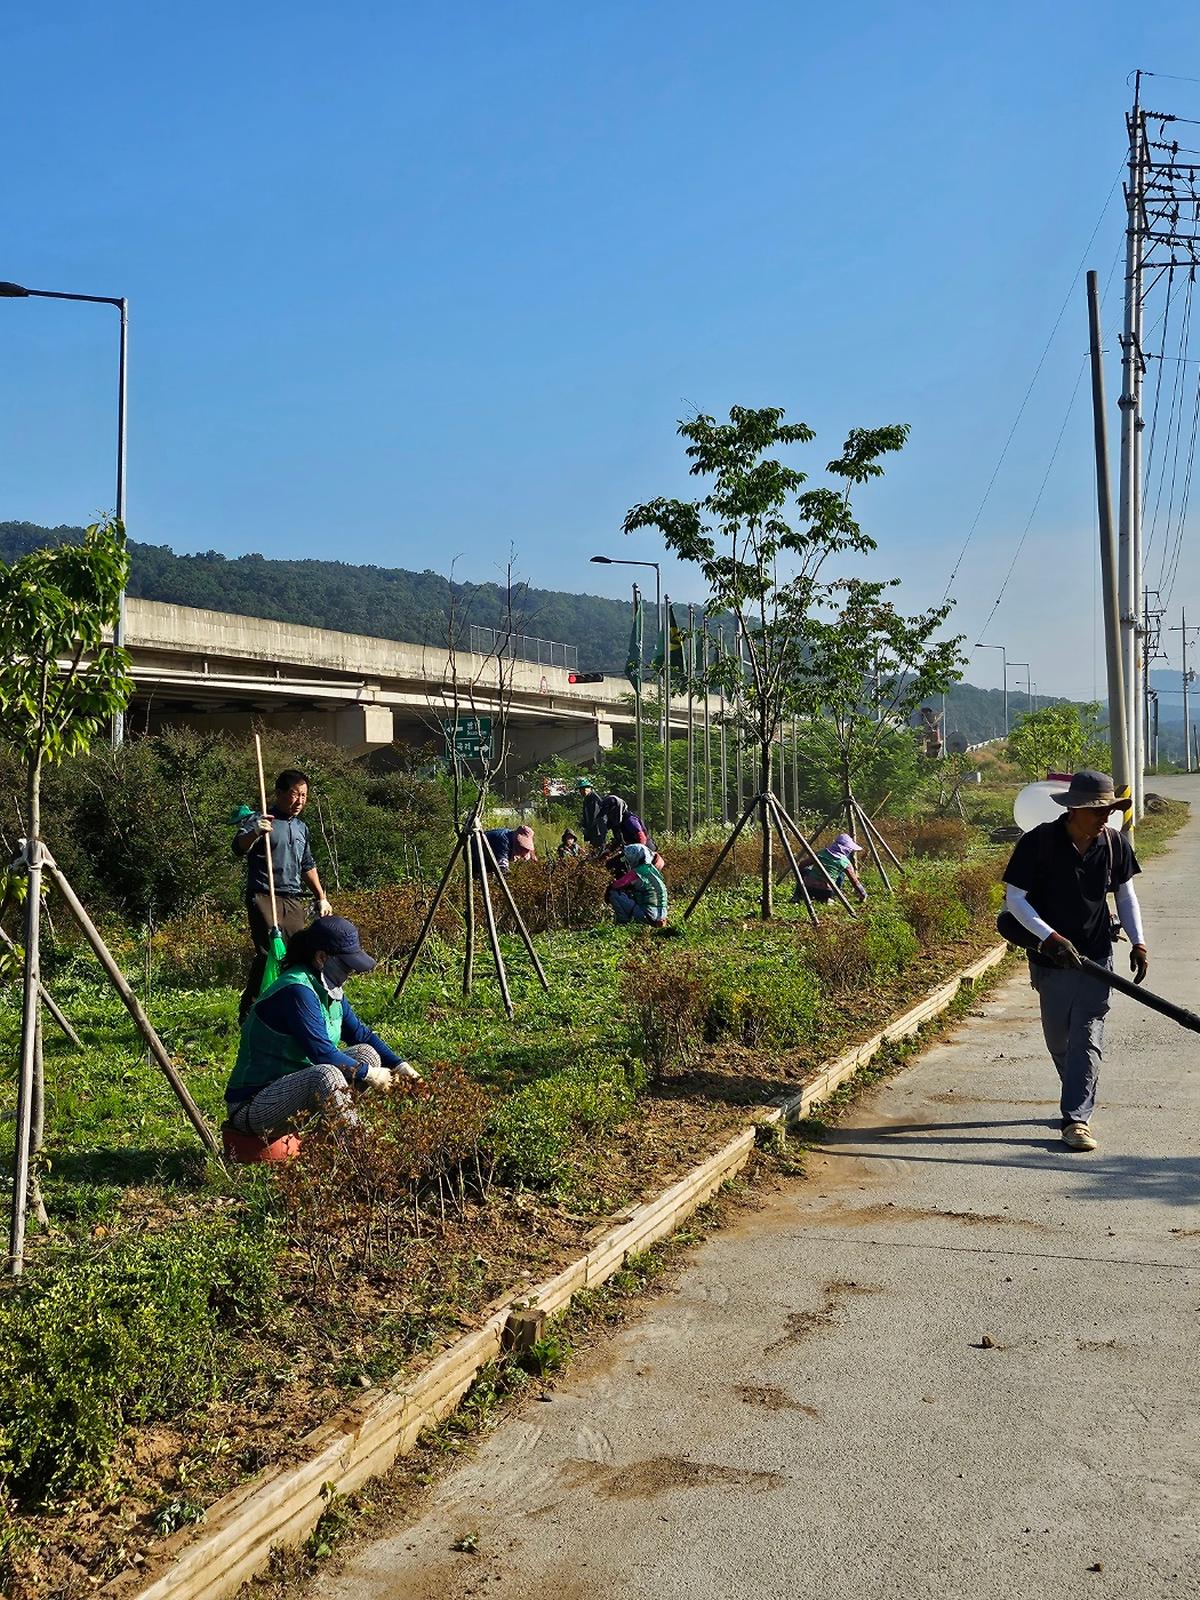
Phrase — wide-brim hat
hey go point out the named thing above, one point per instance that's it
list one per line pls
(584, 783)
(524, 844)
(1091, 791)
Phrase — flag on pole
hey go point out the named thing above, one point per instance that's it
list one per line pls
(633, 663)
(660, 648)
(679, 670)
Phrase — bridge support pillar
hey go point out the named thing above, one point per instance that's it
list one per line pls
(362, 728)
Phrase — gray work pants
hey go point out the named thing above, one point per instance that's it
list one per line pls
(1074, 1006)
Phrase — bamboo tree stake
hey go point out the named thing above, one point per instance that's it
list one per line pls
(517, 917)
(725, 849)
(795, 866)
(875, 856)
(468, 976)
(798, 835)
(869, 824)
(439, 895)
(268, 842)
(47, 998)
(132, 1004)
(489, 917)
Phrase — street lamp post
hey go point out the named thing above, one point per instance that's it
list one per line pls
(624, 561)
(1008, 666)
(17, 291)
(1004, 654)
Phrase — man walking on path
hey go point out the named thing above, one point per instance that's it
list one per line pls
(1058, 880)
(294, 866)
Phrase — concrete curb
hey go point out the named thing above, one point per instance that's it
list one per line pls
(282, 1506)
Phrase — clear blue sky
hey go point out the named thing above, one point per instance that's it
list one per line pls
(416, 283)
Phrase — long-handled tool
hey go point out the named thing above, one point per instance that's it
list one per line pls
(276, 948)
(1009, 928)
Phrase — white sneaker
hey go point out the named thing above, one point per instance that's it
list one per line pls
(1078, 1136)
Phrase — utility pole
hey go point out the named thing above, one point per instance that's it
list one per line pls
(1117, 726)
(1152, 651)
(721, 724)
(666, 698)
(1130, 539)
(1189, 677)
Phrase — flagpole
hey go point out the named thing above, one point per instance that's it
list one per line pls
(666, 678)
(636, 657)
(690, 660)
(721, 725)
(708, 785)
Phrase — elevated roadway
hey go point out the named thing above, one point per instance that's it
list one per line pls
(202, 668)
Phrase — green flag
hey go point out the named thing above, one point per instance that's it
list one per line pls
(660, 648)
(633, 664)
(679, 666)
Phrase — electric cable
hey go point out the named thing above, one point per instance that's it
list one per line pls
(1037, 499)
(1032, 382)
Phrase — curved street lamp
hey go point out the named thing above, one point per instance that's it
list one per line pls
(18, 291)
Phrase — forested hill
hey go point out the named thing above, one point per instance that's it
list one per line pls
(390, 603)
(386, 602)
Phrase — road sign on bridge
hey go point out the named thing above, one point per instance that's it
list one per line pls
(470, 738)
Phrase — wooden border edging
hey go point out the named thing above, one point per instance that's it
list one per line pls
(283, 1505)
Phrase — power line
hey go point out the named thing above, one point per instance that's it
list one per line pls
(1037, 500)
(1036, 374)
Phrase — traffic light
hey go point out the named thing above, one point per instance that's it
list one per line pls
(585, 677)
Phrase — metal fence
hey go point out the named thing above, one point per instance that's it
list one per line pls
(523, 647)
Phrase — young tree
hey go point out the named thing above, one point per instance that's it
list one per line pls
(60, 684)
(760, 540)
(864, 669)
(1061, 738)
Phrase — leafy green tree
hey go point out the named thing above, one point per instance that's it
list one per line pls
(864, 669)
(1059, 738)
(60, 683)
(760, 540)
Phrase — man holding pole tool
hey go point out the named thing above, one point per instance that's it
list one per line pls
(290, 867)
(1057, 884)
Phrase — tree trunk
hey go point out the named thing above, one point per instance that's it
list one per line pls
(764, 787)
(29, 1025)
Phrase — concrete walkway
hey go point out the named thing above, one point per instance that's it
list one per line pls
(815, 1411)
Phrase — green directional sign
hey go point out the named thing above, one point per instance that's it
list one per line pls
(469, 738)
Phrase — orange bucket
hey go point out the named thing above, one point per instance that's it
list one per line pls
(246, 1148)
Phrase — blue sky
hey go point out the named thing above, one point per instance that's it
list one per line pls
(411, 284)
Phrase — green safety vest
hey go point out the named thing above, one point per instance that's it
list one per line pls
(265, 1054)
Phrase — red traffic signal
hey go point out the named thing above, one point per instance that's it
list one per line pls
(585, 677)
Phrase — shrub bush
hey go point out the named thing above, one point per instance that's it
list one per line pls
(135, 1333)
(942, 838)
(766, 998)
(554, 894)
(979, 886)
(666, 999)
(359, 1188)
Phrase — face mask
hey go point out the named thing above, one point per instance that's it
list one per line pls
(333, 975)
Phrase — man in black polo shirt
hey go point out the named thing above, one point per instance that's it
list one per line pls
(1057, 885)
(294, 867)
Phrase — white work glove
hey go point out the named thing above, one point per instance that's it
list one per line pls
(324, 909)
(264, 825)
(379, 1078)
(406, 1070)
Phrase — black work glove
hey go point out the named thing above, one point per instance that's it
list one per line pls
(1062, 952)
(1139, 963)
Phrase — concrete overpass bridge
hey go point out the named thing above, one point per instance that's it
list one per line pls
(203, 669)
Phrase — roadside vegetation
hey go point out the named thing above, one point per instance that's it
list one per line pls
(179, 1325)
